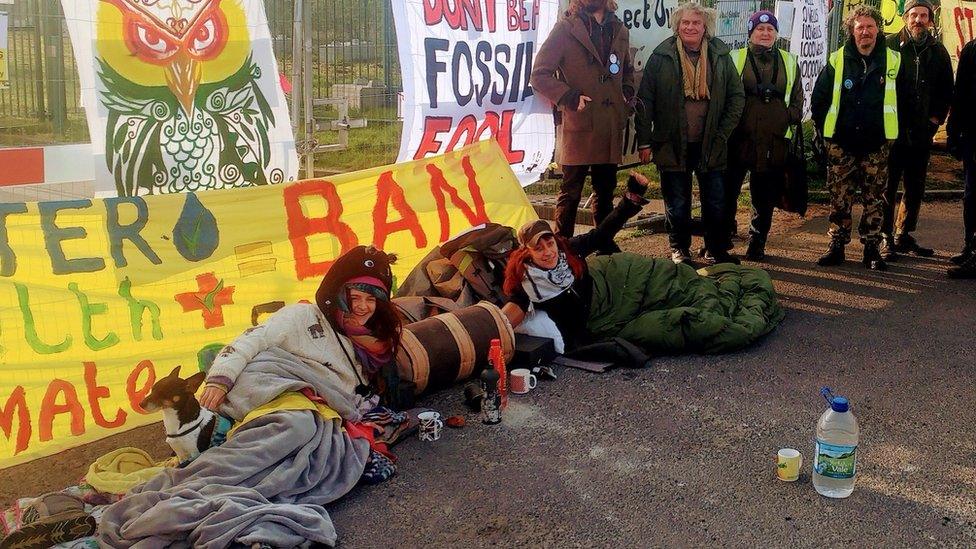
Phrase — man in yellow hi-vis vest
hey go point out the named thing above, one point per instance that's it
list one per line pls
(855, 109)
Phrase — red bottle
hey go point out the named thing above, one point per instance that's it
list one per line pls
(497, 359)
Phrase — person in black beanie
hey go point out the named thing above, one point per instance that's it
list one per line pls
(760, 143)
(961, 142)
(924, 92)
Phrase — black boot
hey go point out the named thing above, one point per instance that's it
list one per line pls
(756, 250)
(872, 257)
(722, 257)
(888, 251)
(834, 255)
(964, 255)
(966, 269)
(906, 243)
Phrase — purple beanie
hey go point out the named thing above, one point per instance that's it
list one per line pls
(762, 16)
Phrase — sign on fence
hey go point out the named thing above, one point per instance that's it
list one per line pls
(121, 290)
(180, 95)
(466, 68)
(957, 26)
(809, 44)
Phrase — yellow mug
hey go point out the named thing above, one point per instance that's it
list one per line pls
(788, 463)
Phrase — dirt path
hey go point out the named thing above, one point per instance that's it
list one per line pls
(682, 453)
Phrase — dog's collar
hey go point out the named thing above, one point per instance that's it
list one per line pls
(203, 417)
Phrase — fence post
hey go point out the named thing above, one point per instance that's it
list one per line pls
(54, 64)
(38, 14)
(389, 44)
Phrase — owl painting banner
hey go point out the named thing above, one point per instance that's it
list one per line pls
(180, 95)
(99, 298)
(466, 67)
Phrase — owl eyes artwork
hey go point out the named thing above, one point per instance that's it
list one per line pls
(186, 101)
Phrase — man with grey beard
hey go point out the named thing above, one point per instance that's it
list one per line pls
(924, 93)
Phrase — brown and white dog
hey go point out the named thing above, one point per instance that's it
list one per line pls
(189, 427)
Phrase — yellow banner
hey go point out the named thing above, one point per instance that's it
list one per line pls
(891, 12)
(99, 297)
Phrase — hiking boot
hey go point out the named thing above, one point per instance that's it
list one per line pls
(756, 250)
(872, 257)
(722, 257)
(966, 269)
(888, 251)
(906, 243)
(964, 255)
(681, 255)
(834, 255)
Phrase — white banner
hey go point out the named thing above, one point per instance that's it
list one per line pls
(958, 24)
(181, 95)
(466, 67)
(809, 44)
(649, 23)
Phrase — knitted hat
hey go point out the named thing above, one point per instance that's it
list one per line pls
(762, 16)
(361, 266)
(909, 4)
(531, 232)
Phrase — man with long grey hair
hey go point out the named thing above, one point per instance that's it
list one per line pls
(690, 100)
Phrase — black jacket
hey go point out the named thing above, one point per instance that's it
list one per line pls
(924, 87)
(962, 120)
(860, 121)
(571, 309)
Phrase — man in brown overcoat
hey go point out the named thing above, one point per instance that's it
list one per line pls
(585, 69)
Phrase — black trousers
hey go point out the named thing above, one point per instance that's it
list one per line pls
(764, 190)
(969, 196)
(910, 163)
(603, 178)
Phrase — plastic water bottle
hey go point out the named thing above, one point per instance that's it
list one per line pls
(835, 450)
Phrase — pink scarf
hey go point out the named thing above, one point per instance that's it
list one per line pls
(371, 351)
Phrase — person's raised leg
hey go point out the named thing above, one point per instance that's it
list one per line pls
(567, 203)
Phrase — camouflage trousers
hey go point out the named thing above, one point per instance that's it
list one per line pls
(849, 176)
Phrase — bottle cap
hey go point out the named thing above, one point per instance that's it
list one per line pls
(839, 404)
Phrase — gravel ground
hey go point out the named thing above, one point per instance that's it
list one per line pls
(683, 453)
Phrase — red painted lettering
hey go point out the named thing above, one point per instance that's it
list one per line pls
(300, 226)
(439, 185)
(137, 395)
(17, 401)
(429, 142)
(387, 190)
(97, 392)
(51, 408)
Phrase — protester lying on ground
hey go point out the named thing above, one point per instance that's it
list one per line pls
(961, 141)
(307, 426)
(658, 305)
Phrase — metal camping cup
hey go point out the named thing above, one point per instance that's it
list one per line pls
(521, 381)
(430, 426)
(788, 463)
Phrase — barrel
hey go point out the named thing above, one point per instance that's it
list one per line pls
(439, 351)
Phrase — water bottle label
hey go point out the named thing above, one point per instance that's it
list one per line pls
(834, 460)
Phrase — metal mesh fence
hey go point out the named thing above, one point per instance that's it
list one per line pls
(355, 74)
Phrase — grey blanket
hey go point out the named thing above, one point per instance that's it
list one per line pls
(268, 483)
